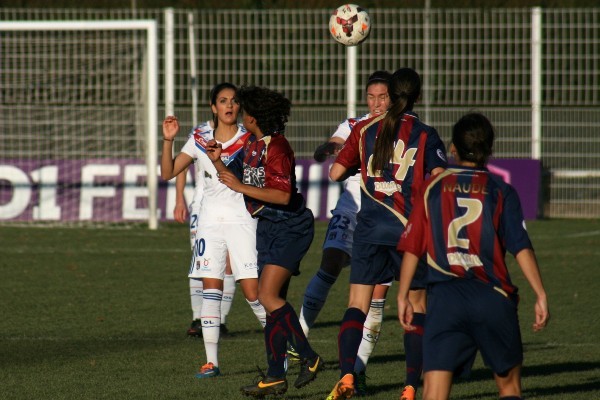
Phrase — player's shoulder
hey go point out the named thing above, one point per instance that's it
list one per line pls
(204, 129)
(418, 124)
(278, 143)
(368, 123)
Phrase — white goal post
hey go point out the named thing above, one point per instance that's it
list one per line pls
(78, 101)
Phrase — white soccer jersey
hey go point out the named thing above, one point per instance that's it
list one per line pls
(224, 225)
(349, 200)
(217, 202)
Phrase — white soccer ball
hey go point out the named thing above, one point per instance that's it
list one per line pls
(350, 25)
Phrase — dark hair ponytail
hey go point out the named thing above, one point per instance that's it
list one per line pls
(214, 93)
(404, 90)
(473, 137)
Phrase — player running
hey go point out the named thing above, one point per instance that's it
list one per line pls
(337, 247)
(284, 233)
(394, 151)
(226, 227)
(464, 220)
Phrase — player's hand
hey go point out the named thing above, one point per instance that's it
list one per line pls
(405, 314)
(170, 127)
(542, 315)
(213, 150)
(326, 150)
(230, 180)
(180, 212)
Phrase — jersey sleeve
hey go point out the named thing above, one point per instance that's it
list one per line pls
(278, 168)
(349, 156)
(343, 130)
(513, 224)
(190, 148)
(414, 237)
(435, 154)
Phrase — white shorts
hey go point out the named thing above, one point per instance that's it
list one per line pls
(340, 231)
(214, 240)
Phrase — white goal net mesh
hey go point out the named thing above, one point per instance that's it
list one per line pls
(74, 106)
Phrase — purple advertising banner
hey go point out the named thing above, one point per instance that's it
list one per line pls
(114, 190)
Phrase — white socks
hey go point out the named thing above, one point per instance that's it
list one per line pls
(196, 297)
(211, 323)
(259, 311)
(371, 331)
(228, 292)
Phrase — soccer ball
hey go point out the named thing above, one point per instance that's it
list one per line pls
(350, 25)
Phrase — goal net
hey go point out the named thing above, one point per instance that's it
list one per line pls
(78, 122)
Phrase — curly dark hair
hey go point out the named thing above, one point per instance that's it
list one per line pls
(271, 109)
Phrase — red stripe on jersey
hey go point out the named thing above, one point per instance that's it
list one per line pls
(500, 269)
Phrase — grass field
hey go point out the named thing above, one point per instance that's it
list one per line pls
(102, 314)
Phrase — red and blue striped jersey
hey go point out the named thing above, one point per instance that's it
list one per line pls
(464, 221)
(269, 162)
(386, 197)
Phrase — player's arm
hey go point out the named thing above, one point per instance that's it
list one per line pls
(347, 162)
(266, 194)
(169, 167)
(180, 212)
(528, 263)
(407, 272)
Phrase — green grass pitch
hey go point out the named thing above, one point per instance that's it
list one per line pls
(102, 314)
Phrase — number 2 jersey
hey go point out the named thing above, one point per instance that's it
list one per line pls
(465, 220)
(386, 197)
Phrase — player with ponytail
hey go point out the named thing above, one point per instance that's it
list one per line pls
(394, 152)
(464, 220)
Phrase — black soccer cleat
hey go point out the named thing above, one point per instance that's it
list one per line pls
(195, 329)
(266, 385)
(309, 368)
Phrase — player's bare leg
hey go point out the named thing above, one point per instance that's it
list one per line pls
(437, 385)
(510, 384)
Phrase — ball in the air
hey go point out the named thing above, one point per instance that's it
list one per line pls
(350, 24)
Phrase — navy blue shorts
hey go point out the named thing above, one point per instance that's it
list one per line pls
(372, 264)
(464, 316)
(284, 243)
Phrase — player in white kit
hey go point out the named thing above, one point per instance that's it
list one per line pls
(180, 214)
(337, 247)
(225, 227)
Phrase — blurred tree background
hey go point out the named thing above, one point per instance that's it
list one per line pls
(268, 4)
